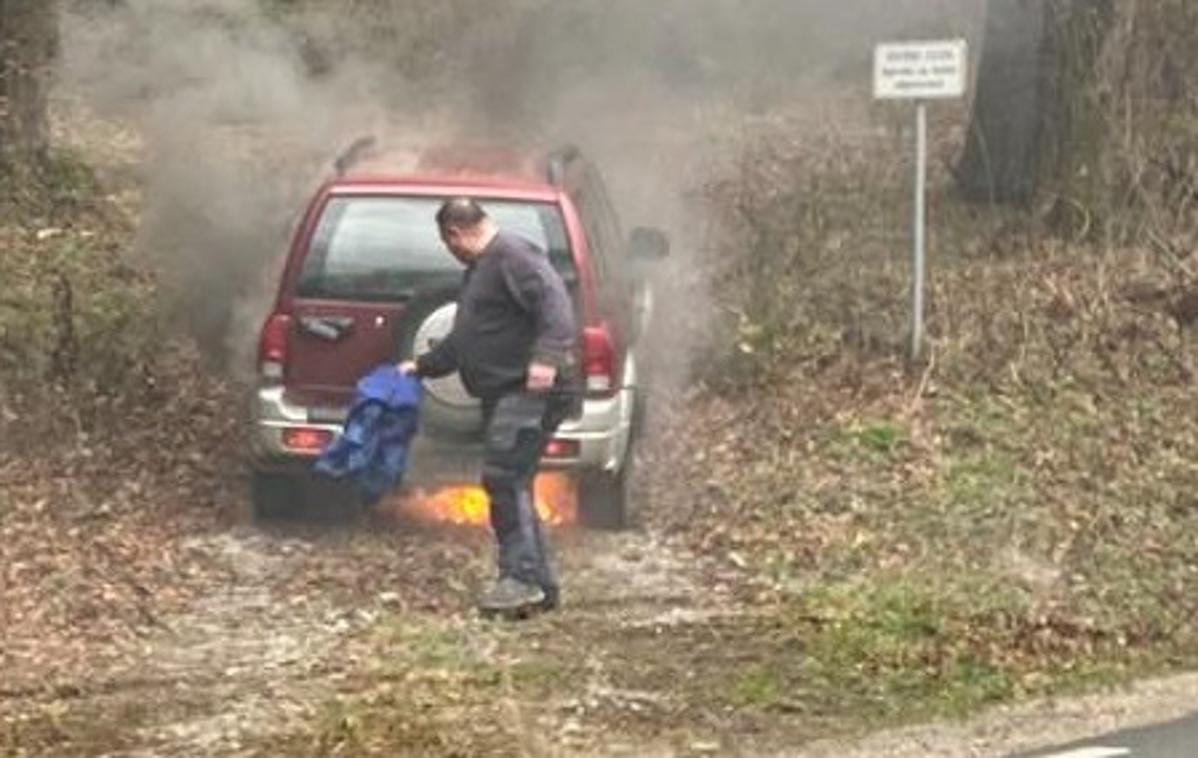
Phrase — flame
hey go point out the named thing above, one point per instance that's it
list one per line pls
(555, 495)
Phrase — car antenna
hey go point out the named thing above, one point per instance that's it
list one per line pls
(353, 154)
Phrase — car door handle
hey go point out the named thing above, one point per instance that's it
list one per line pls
(330, 328)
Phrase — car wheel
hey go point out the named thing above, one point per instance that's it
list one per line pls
(640, 415)
(447, 410)
(275, 496)
(605, 497)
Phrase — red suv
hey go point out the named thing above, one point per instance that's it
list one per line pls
(368, 281)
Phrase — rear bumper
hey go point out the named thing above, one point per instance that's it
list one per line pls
(270, 416)
(602, 435)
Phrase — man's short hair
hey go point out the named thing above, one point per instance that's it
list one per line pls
(460, 213)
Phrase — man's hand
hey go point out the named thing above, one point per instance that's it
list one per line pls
(407, 368)
(541, 376)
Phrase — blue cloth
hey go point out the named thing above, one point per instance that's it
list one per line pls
(373, 447)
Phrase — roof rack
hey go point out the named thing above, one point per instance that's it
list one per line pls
(354, 153)
(558, 160)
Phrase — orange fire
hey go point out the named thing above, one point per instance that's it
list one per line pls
(555, 495)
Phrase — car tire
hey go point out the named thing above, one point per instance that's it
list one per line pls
(605, 498)
(304, 497)
(437, 417)
(275, 496)
(640, 415)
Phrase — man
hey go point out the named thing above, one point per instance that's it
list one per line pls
(513, 342)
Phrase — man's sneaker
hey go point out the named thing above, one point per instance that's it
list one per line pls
(510, 595)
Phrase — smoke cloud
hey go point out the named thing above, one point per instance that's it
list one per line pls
(243, 104)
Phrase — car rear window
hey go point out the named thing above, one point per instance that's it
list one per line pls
(387, 248)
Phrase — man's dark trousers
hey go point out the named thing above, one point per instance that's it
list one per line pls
(519, 426)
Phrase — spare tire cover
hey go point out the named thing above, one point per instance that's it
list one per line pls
(448, 390)
(447, 408)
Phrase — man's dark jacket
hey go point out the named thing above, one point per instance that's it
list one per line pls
(513, 310)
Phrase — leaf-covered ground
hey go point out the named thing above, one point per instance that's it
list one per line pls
(833, 541)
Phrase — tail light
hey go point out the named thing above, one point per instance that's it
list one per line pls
(272, 347)
(599, 360)
(307, 440)
(560, 448)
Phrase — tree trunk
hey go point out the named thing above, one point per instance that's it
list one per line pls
(1074, 125)
(1037, 123)
(28, 46)
(1001, 160)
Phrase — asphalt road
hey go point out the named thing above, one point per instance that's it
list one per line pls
(1174, 739)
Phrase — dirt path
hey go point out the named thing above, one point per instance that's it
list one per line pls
(243, 659)
(301, 617)
(360, 640)
(246, 659)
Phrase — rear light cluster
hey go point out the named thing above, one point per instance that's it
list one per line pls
(559, 448)
(599, 360)
(306, 439)
(272, 347)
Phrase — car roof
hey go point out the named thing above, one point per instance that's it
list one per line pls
(460, 168)
(445, 185)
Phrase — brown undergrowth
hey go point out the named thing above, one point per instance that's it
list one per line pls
(1010, 514)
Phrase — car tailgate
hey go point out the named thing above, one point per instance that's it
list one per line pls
(334, 344)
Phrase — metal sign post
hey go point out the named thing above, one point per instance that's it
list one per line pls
(921, 226)
(920, 71)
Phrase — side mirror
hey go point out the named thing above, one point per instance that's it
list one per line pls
(646, 245)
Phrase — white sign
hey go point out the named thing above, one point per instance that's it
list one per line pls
(920, 70)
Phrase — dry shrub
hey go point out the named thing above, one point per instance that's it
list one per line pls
(812, 268)
(81, 338)
(1123, 170)
(1040, 457)
(812, 238)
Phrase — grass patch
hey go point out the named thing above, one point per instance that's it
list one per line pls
(880, 438)
(432, 687)
(760, 687)
(424, 649)
(909, 648)
(892, 649)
